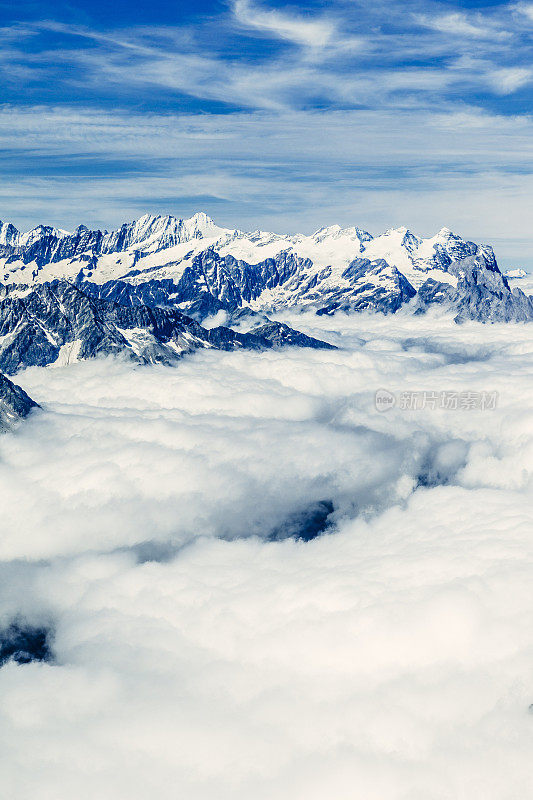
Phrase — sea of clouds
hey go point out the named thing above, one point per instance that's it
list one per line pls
(155, 519)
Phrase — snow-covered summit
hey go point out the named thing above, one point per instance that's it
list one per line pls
(40, 232)
(11, 237)
(515, 273)
(151, 233)
(331, 245)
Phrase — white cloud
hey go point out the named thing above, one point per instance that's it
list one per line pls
(457, 23)
(148, 473)
(343, 60)
(524, 8)
(389, 659)
(509, 80)
(308, 31)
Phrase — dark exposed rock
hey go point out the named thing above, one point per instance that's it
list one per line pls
(281, 335)
(58, 322)
(482, 293)
(15, 404)
(24, 643)
(374, 286)
(306, 524)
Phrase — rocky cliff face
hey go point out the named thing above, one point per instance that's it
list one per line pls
(57, 323)
(15, 404)
(481, 293)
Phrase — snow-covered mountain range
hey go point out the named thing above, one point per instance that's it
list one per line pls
(58, 323)
(200, 269)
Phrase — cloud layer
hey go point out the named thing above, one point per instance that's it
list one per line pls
(196, 657)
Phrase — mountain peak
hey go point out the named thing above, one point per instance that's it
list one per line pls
(146, 219)
(201, 218)
(200, 225)
(39, 232)
(9, 235)
(445, 233)
(336, 232)
(328, 230)
(401, 231)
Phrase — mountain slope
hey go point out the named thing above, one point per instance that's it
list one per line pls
(57, 323)
(481, 293)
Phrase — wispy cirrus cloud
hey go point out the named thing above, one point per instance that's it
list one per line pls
(476, 26)
(509, 79)
(332, 60)
(131, 61)
(369, 80)
(525, 9)
(308, 31)
(373, 168)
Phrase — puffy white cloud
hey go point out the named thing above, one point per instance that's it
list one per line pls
(390, 658)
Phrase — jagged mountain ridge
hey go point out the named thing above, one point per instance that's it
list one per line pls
(200, 268)
(58, 323)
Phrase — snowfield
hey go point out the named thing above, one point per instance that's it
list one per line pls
(158, 522)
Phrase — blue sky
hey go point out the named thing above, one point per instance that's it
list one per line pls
(263, 114)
